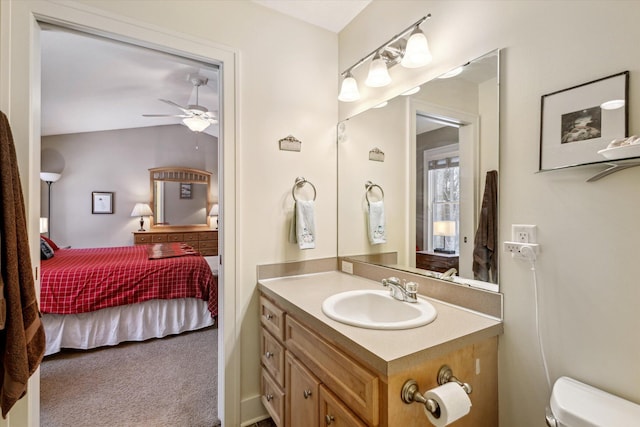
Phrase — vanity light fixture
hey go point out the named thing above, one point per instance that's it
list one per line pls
(141, 210)
(378, 73)
(614, 104)
(349, 89)
(417, 53)
(411, 53)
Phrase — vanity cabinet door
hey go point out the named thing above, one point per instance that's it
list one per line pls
(334, 413)
(302, 395)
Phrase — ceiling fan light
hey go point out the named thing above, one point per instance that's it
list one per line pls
(417, 53)
(196, 124)
(349, 89)
(378, 73)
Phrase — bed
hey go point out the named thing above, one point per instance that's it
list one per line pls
(104, 296)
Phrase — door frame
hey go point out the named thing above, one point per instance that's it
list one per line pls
(20, 101)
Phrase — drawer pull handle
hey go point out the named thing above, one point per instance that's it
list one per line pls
(268, 355)
(269, 397)
(268, 316)
(306, 394)
(329, 419)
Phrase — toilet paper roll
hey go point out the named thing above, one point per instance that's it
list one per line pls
(453, 401)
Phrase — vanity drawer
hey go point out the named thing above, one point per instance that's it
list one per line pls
(272, 398)
(272, 356)
(333, 412)
(190, 237)
(354, 385)
(158, 238)
(174, 237)
(272, 318)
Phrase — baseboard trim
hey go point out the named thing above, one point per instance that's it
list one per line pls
(252, 411)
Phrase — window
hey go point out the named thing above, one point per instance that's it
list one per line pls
(442, 188)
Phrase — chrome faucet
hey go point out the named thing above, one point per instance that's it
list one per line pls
(449, 273)
(402, 291)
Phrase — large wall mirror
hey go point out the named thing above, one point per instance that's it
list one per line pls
(426, 155)
(180, 197)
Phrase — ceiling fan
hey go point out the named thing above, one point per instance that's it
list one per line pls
(196, 117)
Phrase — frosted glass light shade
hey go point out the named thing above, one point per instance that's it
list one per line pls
(141, 209)
(614, 104)
(196, 124)
(50, 176)
(417, 53)
(349, 90)
(378, 73)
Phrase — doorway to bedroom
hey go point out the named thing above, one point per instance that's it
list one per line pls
(105, 122)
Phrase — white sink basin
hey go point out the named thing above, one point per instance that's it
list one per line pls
(375, 309)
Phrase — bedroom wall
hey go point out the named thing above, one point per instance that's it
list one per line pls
(587, 270)
(116, 161)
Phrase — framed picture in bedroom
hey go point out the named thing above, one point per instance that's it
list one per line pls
(185, 190)
(102, 202)
(577, 122)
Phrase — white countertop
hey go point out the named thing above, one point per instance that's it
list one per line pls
(386, 351)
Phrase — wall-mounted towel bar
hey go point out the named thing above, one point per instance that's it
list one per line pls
(369, 187)
(299, 183)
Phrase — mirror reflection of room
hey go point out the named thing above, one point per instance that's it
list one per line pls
(439, 143)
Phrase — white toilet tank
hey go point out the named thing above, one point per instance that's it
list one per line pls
(575, 404)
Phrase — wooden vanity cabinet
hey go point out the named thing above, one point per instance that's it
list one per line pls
(322, 379)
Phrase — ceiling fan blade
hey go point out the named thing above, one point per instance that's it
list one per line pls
(166, 101)
(166, 115)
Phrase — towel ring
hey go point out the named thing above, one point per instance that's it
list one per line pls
(300, 182)
(370, 186)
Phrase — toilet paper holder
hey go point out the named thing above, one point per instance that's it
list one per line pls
(411, 393)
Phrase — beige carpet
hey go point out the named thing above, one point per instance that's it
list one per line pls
(157, 383)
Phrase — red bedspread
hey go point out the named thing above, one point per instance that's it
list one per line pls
(84, 280)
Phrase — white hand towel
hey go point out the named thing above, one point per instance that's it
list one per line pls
(377, 230)
(305, 224)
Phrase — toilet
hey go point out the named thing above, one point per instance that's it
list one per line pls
(575, 404)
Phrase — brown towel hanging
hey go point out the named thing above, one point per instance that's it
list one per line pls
(485, 258)
(22, 340)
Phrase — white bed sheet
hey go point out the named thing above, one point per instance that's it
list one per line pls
(135, 322)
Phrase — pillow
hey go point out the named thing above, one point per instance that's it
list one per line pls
(50, 243)
(45, 250)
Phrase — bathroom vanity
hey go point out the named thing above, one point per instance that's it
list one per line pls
(317, 371)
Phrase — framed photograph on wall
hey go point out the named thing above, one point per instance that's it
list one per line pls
(578, 122)
(185, 190)
(102, 202)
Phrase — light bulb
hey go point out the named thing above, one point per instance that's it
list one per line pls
(378, 73)
(417, 53)
(349, 89)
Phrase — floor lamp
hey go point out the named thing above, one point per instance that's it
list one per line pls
(49, 178)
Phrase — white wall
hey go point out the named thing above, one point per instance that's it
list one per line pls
(587, 270)
(119, 162)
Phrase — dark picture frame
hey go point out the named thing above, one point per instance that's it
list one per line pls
(574, 126)
(102, 202)
(185, 190)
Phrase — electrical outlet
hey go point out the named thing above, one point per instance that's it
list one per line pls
(515, 249)
(347, 267)
(522, 233)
